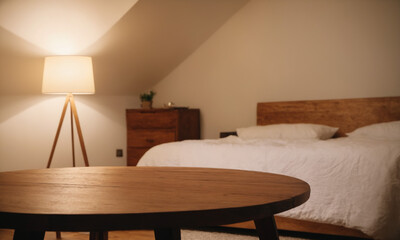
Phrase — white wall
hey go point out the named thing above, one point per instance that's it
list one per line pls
(28, 125)
(281, 50)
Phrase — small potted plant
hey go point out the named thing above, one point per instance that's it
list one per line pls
(147, 99)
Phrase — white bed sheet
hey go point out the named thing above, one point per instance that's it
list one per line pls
(354, 182)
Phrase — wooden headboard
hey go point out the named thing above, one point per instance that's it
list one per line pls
(347, 114)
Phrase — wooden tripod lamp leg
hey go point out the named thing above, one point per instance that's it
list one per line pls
(67, 100)
(72, 139)
(78, 128)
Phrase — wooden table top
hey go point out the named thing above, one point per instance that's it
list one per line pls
(122, 198)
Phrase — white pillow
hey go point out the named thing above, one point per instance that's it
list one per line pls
(287, 131)
(387, 130)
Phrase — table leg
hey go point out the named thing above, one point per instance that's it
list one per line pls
(167, 234)
(28, 235)
(99, 235)
(266, 228)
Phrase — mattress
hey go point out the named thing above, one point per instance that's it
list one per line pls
(355, 182)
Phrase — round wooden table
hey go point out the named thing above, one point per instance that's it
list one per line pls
(102, 199)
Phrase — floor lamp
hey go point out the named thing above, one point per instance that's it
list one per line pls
(68, 75)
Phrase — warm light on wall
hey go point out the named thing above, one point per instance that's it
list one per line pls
(62, 27)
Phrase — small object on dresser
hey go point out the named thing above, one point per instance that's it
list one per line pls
(147, 100)
(169, 105)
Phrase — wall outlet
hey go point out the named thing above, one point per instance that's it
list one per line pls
(119, 153)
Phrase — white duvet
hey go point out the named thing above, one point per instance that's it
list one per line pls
(354, 182)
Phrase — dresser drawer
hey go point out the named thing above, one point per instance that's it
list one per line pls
(147, 128)
(134, 155)
(149, 137)
(152, 119)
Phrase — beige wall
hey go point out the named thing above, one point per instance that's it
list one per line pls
(288, 50)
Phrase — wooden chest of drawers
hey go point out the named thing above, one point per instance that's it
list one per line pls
(147, 128)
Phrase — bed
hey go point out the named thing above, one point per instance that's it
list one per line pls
(355, 181)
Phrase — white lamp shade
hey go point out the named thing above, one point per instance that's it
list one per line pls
(68, 74)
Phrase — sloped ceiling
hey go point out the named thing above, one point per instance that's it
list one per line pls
(147, 43)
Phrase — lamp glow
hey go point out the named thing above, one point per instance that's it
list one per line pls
(68, 74)
(62, 27)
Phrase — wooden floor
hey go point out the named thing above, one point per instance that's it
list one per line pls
(117, 235)
(149, 235)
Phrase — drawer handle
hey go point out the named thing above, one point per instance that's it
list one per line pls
(150, 140)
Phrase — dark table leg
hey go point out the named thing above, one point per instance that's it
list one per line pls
(167, 234)
(266, 228)
(28, 235)
(99, 235)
